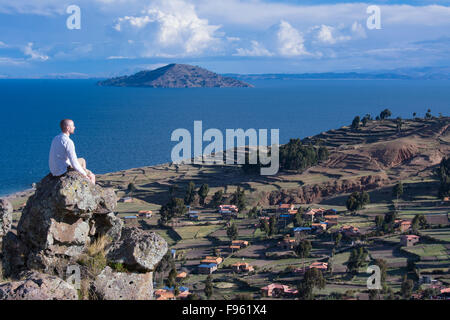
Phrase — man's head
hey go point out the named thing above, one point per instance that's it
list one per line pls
(67, 126)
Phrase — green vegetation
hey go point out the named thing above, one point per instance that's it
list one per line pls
(232, 231)
(174, 208)
(297, 156)
(357, 201)
(190, 193)
(313, 279)
(203, 193)
(444, 177)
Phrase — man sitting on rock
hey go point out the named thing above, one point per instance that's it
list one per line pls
(62, 153)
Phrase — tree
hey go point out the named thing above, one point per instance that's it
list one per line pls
(357, 201)
(355, 123)
(252, 213)
(356, 260)
(337, 239)
(298, 156)
(264, 227)
(386, 113)
(382, 264)
(397, 190)
(379, 221)
(208, 287)
(443, 172)
(171, 279)
(272, 226)
(217, 199)
(232, 231)
(203, 193)
(239, 199)
(419, 222)
(173, 189)
(407, 287)
(175, 207)
(399, 124)
(414, 114)
(298, 219)
(428, 114)
(313, 278)
(190, 193)
(366, 119)
(131, 188)
(323, 153)
(303, 249)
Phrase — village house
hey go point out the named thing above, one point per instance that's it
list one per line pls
(242, 267)
(321, 226)
(409, 240)
(322, 266)
(331, 219)
(285, 207)
(207, 268)
(240, 243)
(181, 276)
(350, 231)
(278, 290)
(126, 199)
(167, 293)
(215, 260)
(287, 243)
(311, 214)
(145, 214)
(193, 217)
(404, 225)
(228, 207)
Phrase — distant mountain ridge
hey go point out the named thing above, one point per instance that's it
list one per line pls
(175, 76)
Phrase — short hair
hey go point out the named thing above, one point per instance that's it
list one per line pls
(63, 124)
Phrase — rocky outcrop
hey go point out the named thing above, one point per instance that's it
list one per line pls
(111, 285)
(38, 286)
(6, 210)
(56, 222)
(138, 250)
(57, 229)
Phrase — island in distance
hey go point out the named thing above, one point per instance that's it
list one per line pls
(175, 76)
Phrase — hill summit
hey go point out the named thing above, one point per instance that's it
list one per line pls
(175, 76)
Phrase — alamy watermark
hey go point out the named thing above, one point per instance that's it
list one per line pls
(258, 152)
(374, 20)
(74, 20)
(374, 280)
(73, 276)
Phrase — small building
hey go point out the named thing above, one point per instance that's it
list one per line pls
(193, 217)
(314, 213)
(287, 243)
(164, 294)
(302, 230)
(228, 207)
(323, 266)
(285, 207)
(182, 275)
(173, 252)
(278, 290)
(130, 217)
(350, 231)
(404, 225)
(145, 214)
(321, 226)
(409, 240)
(242, 267)
(215, 260)
(126, 199)
(240, 243)
(207, 268)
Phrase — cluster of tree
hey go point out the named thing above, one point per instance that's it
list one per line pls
(217, 199)
(356, 260)
(303, 249)
(232, 231)
(174, 208)
(397, 190)
(386, 223)
(443, 173)
(313, 278)
(357, 201)
(239, 199)
(167, 263)
(297, 156)
(269, 228)
(386, 113)
(189, 196)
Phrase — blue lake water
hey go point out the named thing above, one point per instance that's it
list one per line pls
(121, 128)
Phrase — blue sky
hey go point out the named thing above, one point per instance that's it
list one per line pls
(228, 36)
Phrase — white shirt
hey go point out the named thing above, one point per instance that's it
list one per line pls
(62, 154)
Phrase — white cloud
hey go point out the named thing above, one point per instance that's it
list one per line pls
(358, 30)
(256, 50)
(290, 40)
(11, 61)
(178, 27)
(329, 35)
(34, 54)
(3, 45)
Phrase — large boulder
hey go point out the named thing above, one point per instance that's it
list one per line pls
(138, 250)
(110, 285)
(38, 286)
(56, 222)
(6, 210)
